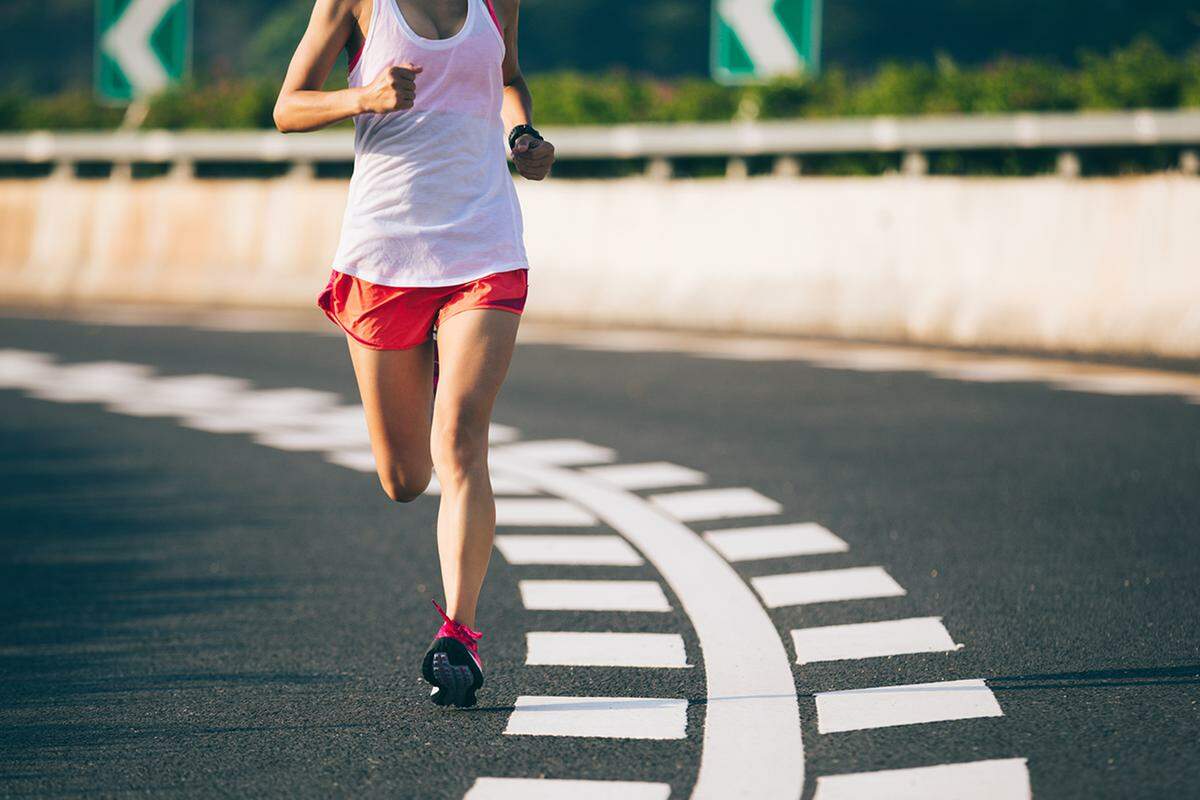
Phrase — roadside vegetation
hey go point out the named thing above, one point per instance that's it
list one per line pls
(1140, 75)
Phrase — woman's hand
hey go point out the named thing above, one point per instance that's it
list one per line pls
(533, 156)
(394, 90)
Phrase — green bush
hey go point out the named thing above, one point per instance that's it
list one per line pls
(74, 110)
(224, 105)
(1141, 75)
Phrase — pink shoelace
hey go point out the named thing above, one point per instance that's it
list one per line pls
(457, 631)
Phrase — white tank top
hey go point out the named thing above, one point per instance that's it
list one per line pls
(431, 200)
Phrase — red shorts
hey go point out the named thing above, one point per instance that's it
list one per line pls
(398, 317)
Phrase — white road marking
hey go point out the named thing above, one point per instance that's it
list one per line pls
(93, 382)
(551, 549)
(499, 434)
(704, 504)
(1120, 384)
(318, 440)
(651, 475)
(502, 485)
(561, 452)
(872, 639)
(1001, 779)
(542, 511)
(255, 412)
(539, 595)
(557, 789)
(775, 541)
(999, 370)
(605, 649)
(752, 747)
(360, 459)
(509, 485)
(963, 365)
(826, 586)
(608, 717)
(888, 706)
(25, 369)
(192, 398)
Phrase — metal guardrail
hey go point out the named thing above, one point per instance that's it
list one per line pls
(787, 141)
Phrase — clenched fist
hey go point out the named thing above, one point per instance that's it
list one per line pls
(393, 90)
(533, 157)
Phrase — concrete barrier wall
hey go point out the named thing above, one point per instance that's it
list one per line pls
(1090, 265)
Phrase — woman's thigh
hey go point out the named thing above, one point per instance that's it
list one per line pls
(474, 350)
(397, 394)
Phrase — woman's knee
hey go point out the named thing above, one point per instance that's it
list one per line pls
(404, 485)
(460, 443)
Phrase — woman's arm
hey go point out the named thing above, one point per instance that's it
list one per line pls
(303, 106)
(533, 157)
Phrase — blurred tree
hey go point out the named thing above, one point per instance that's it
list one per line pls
(1138, 75)
(46, 45)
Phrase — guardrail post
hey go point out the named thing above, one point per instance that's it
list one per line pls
(737, 169)
(1068, 164)
(302, 170)
(62, 170)
(915, 163)
(1189, 162)
(181, 169)
(786, 167)
(658, 169)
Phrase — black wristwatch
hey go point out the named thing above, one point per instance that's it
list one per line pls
(519, 131)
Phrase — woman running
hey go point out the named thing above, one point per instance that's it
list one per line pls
(432, 229)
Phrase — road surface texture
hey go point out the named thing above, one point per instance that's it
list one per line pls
(761, 572)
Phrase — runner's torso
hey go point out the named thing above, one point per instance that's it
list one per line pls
(431, 202)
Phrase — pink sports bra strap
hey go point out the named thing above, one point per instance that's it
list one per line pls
(495, 19)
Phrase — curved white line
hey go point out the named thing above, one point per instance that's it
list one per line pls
(752, 746)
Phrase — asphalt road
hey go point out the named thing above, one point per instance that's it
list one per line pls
(188, 613)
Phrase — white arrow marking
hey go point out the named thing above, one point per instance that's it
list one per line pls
(128, 42)
(761, 34)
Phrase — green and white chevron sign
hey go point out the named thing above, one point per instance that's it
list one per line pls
(756, 40)
(142, 46)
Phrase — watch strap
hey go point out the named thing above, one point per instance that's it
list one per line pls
(519, 131)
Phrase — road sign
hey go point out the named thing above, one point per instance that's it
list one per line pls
(142, 46)
(755, 40)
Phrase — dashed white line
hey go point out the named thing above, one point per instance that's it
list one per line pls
(498, 434)
(557, 789)
(256, 412)
(651, 475)
(319, 440)
(999, 779)
(561, 452)
(542, 511)
(25, 369)
(358, 459)
(752, 745)
(888, 706)
(872, 640)
(605, 649)
(556, 595)
(826, 586)
(93, 382)
(961, 365)
(775, 541)
(705, 504)
(608, 717)
(739, 699)
(553, 549)
(361, 459)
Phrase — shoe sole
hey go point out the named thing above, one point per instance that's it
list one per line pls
(453, 684)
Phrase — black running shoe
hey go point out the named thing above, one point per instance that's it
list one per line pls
(452, 664)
